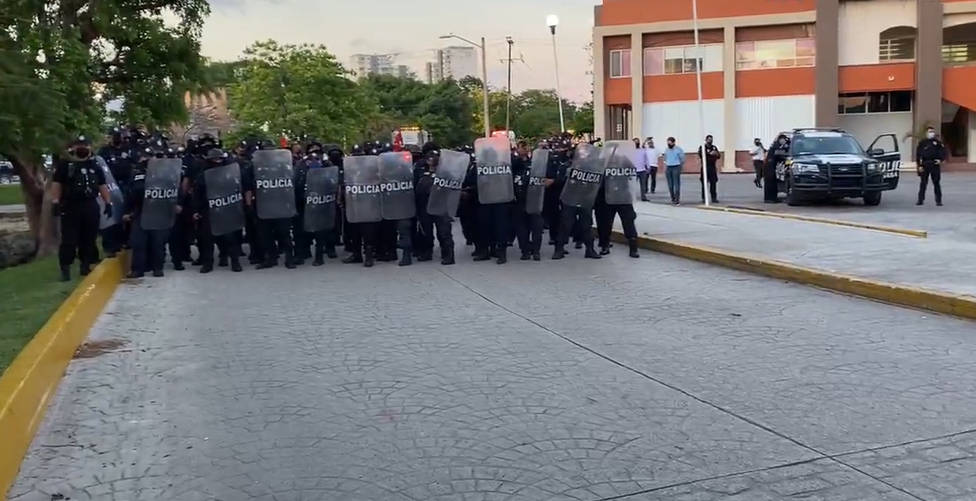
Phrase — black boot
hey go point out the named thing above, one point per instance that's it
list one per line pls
(407, 258)
(425, 256)
(158, 273)
(579, 245)
(482, 254)
(604, 250)
(536, 256)
(290, 261)
(560, 252)
(502, 253)
(65, 274)
(178, 266)
(268, 263)
(222, 262)
(369, 257)
(207, 268)
(354, 258)
(319, 258)
(331, 252)
(134, 275)
(447, 257)
(235, 265)
(525, 256)
(591, 252)
(633, 248)
(84, 269)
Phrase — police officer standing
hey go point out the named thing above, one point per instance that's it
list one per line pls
(116, 155)
(77, 181)
(428, 224)
(929, 155)
(148, 246)
(776, 154)
(710, 171)
(230, 242)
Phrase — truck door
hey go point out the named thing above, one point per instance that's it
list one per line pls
(884, 149)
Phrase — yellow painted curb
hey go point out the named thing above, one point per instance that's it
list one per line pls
(810, 219)
(32, 378)
(940, 302)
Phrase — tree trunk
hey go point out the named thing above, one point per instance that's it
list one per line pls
(33, 183)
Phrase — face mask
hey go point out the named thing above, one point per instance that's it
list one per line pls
(82, 152)
(931, 135)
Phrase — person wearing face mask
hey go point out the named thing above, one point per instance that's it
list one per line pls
(710, 169)
(929, 155)
(776, 154)
(758, 152)
(148, 246)
(231, 242)
(652, 156)
(78, 180)
(674, 161)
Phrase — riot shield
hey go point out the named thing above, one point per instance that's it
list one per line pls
(225, 206)
(535, 193)
(362, 190)
(162, 191)
(493, 158)
(584, 176)
(115, 194)
(620, 185)
(445, 194)
(396, 178)
(321, 187)
(274, 179)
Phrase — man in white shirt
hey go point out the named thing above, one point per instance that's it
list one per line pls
(653, 156)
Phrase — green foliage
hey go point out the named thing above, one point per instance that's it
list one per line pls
(11, 194)
(296, 90)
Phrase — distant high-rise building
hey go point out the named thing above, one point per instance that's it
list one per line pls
(458, 62)
(363, 65)
(434, 74)
(403, 71)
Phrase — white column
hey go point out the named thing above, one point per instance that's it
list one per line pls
(599, 80)
(728, 103)
(637, 84)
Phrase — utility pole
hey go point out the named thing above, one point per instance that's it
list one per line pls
(508, 102)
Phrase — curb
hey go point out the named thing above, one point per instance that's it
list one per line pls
(810, 219)
(903, 295)
(33, 377)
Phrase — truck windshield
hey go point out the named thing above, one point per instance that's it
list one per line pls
(826, 145)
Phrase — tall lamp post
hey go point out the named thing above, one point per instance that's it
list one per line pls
(699, 60)
(552, 21)
(484, 74)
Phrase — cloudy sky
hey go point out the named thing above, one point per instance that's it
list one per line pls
(411, 28)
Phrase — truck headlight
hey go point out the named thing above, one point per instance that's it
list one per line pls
(874, 167)
(799, 168)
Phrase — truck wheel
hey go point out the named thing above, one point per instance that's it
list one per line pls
(872, 198)
(792, 197)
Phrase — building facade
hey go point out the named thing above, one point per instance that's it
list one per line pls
(363, 65)
(458, 62)
(869, 66)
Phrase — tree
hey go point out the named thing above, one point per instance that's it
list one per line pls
(299, 90)
(445, 109)
(582, 122)
(64, 60)
(535, 113)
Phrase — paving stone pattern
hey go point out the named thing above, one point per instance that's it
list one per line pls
(615, 379)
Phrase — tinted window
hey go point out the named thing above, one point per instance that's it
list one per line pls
(825, 145)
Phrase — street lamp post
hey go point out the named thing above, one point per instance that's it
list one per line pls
(552, 21)
(484, 75)
(699, 60)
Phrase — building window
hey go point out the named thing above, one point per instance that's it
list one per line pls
(678, 60)
(959, 52)
(875, 102)
(897, 44)
(766, 54)
(620, 63)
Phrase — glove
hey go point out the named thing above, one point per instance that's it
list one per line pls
(108, 210)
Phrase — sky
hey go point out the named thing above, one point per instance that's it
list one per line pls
(411, 28)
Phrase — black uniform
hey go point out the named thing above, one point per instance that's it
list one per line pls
(528, 227)
(559, 161)
(605, 214)
(229, 243)
(576, 222)
(427, 225)
(117, 157)
(80, 182)
(711, 158)
(148, 246)
(324, 240)
(929, 155)
(468, 207)
(776, 154)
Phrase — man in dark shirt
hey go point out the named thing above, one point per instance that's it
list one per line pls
(710, 157)
(929, 155)
(78, 180)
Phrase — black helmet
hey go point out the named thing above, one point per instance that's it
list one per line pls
(213, 155)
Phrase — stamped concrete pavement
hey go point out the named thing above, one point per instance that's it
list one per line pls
(656, 378)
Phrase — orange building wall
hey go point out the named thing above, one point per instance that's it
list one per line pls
(617, 91)
(615, 12)
(777, 82)
(877, 77)
(683, 87)
(957, 85)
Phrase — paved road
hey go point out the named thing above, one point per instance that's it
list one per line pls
(652, 379)
(956, 220)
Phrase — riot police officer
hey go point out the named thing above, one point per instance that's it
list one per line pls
(78, 179)
(148, 246)
(230, 242)
(527, 227)
(777, 153)
(117, 155)
(929, 155)
(428, 225)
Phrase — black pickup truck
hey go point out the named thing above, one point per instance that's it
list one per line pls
(830, 164)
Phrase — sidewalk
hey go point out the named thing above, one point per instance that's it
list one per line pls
(938, 263)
